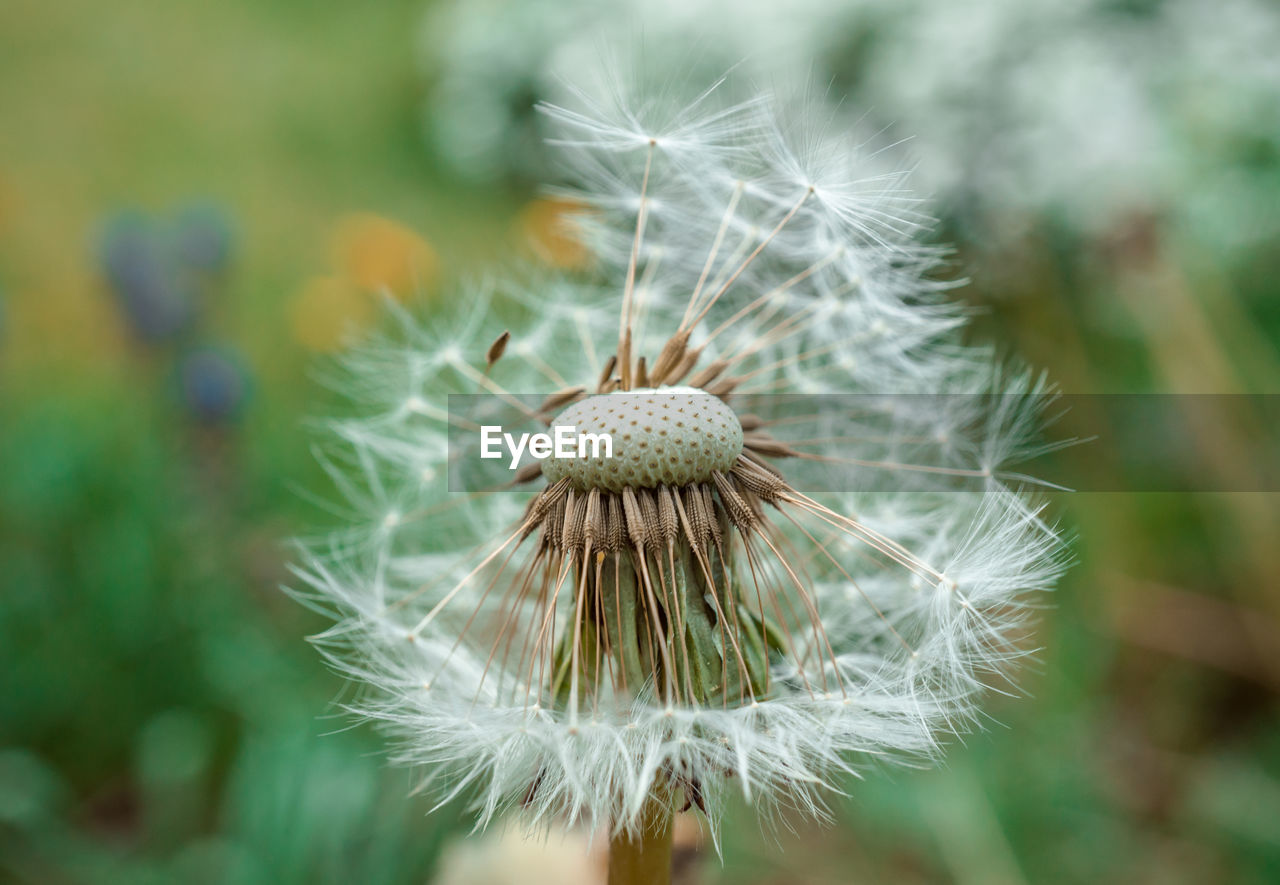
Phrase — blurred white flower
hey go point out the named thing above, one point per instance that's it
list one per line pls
(510, 857)
(1088, 110)
(490, 61)
(791, 587)
(1091, 109)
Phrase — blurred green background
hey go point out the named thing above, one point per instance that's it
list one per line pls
(197, 199)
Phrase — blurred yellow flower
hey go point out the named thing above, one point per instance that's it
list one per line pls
(376, 254)
(326, 311)
(547, 226)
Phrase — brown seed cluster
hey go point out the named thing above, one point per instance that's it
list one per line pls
(571, 520)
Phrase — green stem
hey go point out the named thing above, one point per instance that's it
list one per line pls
(645, 858)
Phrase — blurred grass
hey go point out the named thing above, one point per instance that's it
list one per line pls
(161, 717)
(160, 710)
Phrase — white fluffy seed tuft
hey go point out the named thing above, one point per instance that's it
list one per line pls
(674, 436)
(799, 291)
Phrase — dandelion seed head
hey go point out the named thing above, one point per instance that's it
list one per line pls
(684, 619)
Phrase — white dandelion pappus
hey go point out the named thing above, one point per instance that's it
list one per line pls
(589, 643)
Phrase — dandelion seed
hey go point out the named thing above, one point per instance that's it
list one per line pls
(624, 637)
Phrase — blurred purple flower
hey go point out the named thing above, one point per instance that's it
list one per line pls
(214, 384)
(150, 286)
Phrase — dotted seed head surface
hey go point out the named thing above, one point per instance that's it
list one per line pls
(671, 436)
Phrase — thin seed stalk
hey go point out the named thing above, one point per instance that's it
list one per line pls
(668, 618)
(644, 858)
(718, 645)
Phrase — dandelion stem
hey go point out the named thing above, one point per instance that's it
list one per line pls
(644, 858)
